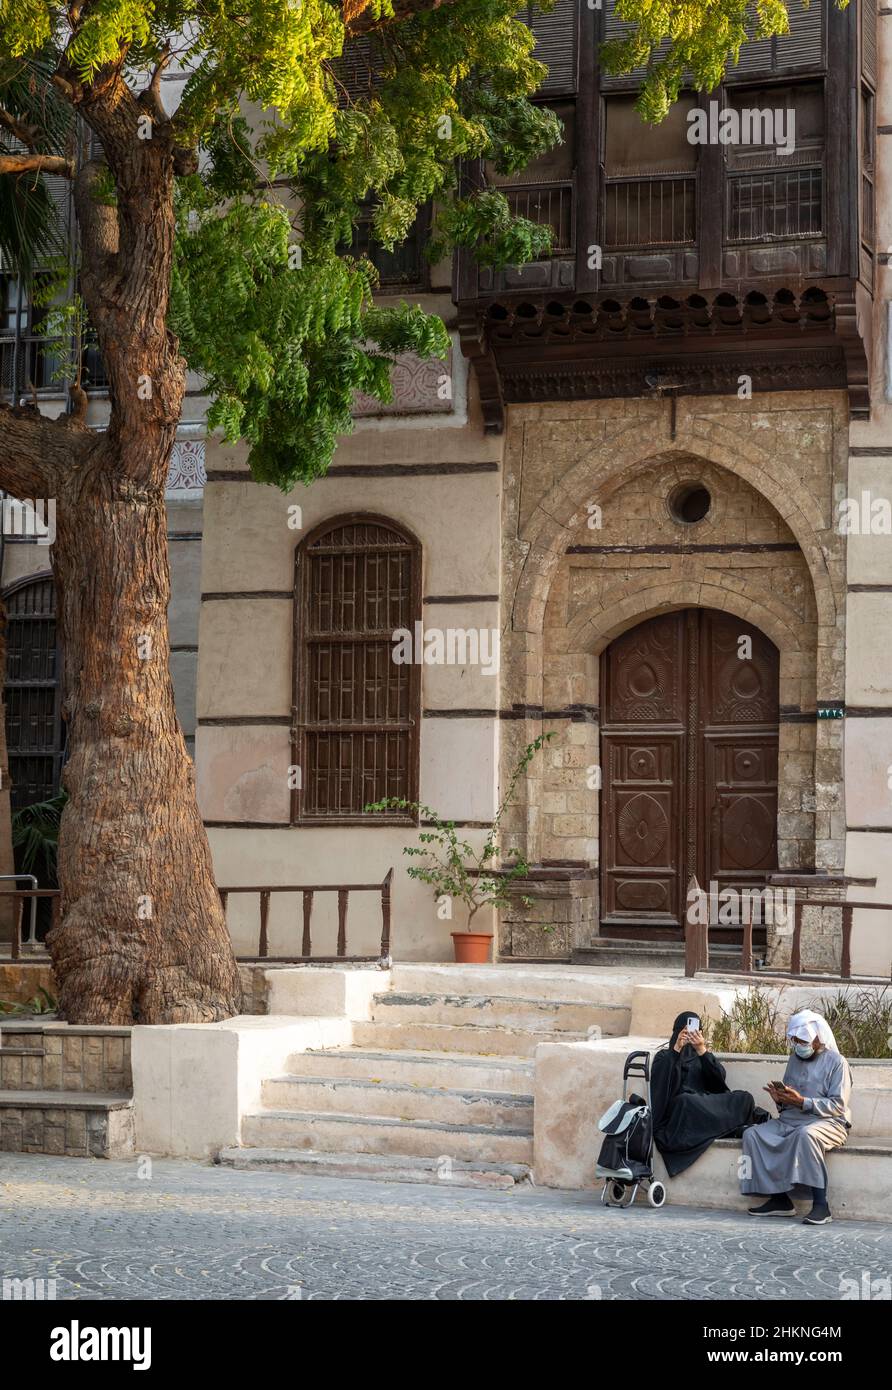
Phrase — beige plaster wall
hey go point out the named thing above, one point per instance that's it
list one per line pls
(868, 728)
(246, 662)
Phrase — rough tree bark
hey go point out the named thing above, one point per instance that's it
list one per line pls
(142, 936)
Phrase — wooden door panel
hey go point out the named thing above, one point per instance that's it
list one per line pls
(641, 849)
(689, 757)
(740, 785)
(645, 675)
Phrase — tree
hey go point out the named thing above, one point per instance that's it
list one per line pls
(186, 252)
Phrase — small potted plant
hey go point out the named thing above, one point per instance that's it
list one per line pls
(456, 871)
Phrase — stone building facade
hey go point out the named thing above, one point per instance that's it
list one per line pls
(544, 504)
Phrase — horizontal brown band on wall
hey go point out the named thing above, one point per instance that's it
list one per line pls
(870, 451)
(184, 535)
(249, 593)
(884, 130)
(405, 470)
(751, 548)
(184, 647)
(460, 714)
(238, 721)
(868, 711)
(461, 824)
(869, 588)
(871, 830)
(578, 714)
(462, 598)
(797, 716)
(248, 824)
(366, 470)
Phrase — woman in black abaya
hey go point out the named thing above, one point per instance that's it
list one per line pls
(690, 1099)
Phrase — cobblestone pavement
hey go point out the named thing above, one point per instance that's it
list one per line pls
(193, 1231)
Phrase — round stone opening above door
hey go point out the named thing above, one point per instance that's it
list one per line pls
(689, 503)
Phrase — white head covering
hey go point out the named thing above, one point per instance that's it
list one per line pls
(809, 1025)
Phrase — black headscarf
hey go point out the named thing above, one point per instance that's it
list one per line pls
(690, 1101)
(673, 1072)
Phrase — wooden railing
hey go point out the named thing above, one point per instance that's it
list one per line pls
(696, 942)
(308, 892)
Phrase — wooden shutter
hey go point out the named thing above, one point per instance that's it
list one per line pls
(869, 40)
(556, 43)
(803, 47)
(357, 582)
(357, 70)
(34, 729)
(755, 56)
(613, 28)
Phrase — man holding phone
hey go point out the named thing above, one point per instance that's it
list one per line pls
(813, 1118)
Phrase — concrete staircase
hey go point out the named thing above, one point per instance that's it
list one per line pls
(436, 1084)
(65, 1090)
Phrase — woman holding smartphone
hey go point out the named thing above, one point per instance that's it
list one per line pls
(813, 1118)
(690, 1099)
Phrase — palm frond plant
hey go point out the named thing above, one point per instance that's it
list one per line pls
(35, 839)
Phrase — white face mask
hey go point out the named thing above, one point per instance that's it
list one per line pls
(804, 1050)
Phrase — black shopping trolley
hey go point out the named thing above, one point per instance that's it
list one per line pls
(626, 1158)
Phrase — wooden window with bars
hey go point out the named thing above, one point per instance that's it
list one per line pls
(355, 738)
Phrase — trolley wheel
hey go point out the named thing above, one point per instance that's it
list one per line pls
(656, 1194)
(617, 1193)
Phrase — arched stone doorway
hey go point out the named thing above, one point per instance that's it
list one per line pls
(689, 757)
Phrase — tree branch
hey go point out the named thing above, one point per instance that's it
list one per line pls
(25, 134)
(150, 96)
(35, 451)
(358, 20)
(36, 164)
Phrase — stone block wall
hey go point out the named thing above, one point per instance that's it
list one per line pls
(590, 548)
(82, 1132)
(62, 1057)
(561, 914)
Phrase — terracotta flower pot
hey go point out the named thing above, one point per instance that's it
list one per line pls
(472, 947)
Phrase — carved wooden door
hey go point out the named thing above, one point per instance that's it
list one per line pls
(689, 742)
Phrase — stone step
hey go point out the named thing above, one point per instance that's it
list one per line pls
(445, 1037)
(383, 1134)
(511, 979)
(383, 1167)
(617, 953)
(399, 1100)
(511, 1075)
(502, 1011)
(78, 1124)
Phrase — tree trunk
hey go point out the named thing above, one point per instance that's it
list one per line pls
(142, 936)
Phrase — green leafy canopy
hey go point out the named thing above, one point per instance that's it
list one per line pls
(289, 160)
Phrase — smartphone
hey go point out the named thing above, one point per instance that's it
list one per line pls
(693, 1023)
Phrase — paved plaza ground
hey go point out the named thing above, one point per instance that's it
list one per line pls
(105, 1230)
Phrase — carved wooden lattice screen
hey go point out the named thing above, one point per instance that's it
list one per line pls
(356, 710)
(34, 729)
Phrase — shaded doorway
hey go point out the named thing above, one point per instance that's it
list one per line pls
(689, 752)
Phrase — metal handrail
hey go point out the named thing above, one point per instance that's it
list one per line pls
(32, 933)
